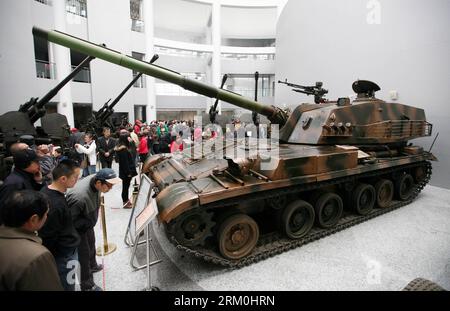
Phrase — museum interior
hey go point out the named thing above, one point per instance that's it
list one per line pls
(224, 145)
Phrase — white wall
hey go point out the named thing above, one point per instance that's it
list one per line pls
(408, 51)
(18, 80)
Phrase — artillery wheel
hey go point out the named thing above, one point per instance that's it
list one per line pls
(404, 187)
(192, 229)
(237, 236)
(384, 190)
(363, 199)
(297, 219)
(328, 208)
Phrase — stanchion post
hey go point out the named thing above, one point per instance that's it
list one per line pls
(135, 192)
(107, 248)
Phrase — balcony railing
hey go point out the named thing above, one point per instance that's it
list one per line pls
(140, 83)
(237, 56)
(45, 69)
(250, 93)
(137, 25)
(77, 7)
(83, 76)
(180, 52)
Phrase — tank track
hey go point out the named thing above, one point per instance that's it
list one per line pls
(274, 243)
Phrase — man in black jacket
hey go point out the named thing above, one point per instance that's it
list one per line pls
(105, 146)
(84, 203)
(25, 175)
(59, 234)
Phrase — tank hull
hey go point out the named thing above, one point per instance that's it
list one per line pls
(203, 190)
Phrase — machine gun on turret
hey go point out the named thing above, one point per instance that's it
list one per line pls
(315, 90)
(100, 119)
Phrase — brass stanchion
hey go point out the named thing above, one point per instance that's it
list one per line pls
(135, 192)
(107, 248)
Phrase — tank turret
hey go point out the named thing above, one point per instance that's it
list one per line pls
(337, 164)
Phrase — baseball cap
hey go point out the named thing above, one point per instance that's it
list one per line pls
(108, 175)
(23, 158)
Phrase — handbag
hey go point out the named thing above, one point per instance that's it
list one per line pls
(84, 162)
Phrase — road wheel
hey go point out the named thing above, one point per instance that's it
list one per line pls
(384, 190)
(404, 187)
(363, 199)
(237, 236)
(328, 208)
(297, 219)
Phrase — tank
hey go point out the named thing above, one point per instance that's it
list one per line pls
(327, 166)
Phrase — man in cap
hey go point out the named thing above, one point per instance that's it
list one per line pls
(84, 203)
(25, 175)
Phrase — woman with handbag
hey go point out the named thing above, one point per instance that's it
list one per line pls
(127, 169)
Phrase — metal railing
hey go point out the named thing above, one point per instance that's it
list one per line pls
(137, 25)
(83, 76)
(45, 69)
(397, 129)
(161, 50)
(77, 7)
(250, 92)
(238, 56)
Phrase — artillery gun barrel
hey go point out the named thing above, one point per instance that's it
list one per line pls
(274, 114)
(47, 97)
(119, 97)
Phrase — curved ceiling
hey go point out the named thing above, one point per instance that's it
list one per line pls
(237, 22)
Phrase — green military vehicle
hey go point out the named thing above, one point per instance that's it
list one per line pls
(334, 165)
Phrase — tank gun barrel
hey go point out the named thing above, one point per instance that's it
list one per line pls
(274, 114)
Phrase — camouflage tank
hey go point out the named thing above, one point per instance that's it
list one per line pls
(336, 164)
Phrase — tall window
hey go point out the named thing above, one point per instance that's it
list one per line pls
(140, 83)
(77, 7)
(44, 68)
(84, 75)
(137, 20)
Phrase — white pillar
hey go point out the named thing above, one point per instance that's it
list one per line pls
(216, 69)
(63, 65)
(149, 51)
